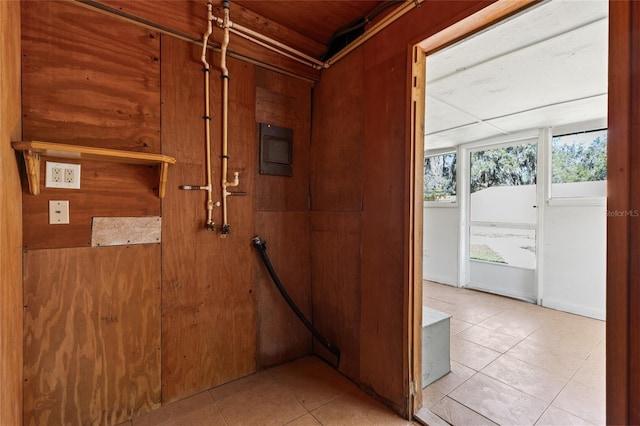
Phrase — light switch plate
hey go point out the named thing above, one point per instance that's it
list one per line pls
(58, 212)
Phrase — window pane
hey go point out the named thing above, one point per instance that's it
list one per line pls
(508, 166)
(579, 164)
(508, 246)
(440, 177)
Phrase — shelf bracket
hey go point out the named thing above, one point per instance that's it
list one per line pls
(32, 150)
(32, 163)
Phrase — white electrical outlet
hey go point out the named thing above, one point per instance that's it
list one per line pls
(62, 175)
(58, 212)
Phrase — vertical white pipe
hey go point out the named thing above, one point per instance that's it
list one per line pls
(210, 225)
(225, 118)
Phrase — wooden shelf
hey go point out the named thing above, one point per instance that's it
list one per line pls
(32, 150)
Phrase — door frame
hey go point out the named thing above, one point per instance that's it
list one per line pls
(528, 136)
(417, 55)
(623, 194)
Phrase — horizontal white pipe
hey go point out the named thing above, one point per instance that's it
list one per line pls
(255, 37)
(274, 49)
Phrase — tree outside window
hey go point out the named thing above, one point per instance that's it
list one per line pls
(440, 177)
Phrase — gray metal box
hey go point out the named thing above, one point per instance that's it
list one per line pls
(435, 345)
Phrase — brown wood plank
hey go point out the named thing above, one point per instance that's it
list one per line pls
(11, 311)
(99, 78)
(92, 334)
(281, 335)
(135, 188)
(187, 19)
(317, 19)
(336, 278)
(208, 306)
(383, 234)
(336, 179)
(59, 150)
(98, 92)
(286, 102)
(634, 222)
(618, 228)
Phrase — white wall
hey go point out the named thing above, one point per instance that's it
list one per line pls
(440, 244)
(488, 205)
(573, 252)
(574, 262)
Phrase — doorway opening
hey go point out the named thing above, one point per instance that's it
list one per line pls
(497, 217)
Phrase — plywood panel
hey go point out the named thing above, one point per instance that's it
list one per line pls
(286, 102)
(336, 179)
(92, 334)
(383, 233)
(208, 306)
(11, 313)
(91, 80)
(634, 225)
(135, 188)
(281, 335)
(187, 19)
(619, 169)
(336, 283)
(98, 77)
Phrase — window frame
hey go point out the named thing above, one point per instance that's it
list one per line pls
(444, 203)
(556, 201)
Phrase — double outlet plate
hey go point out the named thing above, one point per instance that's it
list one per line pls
(62, 175)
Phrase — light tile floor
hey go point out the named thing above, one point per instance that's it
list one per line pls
(304, 392)
(514, 363)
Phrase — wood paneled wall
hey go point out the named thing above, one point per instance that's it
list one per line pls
(11, 314)
(187, 18)
(623, 232)
(282, 220)
(89, 80)
(206, 311)
(337, 180)
(92, 334)
(208, 303)
(362, 144)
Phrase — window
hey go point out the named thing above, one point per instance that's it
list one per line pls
(506, 166)
(440, 177)
(579, 164)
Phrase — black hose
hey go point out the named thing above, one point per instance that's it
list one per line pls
(262, 249)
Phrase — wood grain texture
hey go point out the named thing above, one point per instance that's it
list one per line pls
(187, 18)
(134, 188)
(281, 335)
(387, 192)
(336, 177)
(11, 313)
(336, 284)
(98, 77)
(80, 85)
(92, 334)
(383, 234)
(624, 163)
(618, 228)
(208, 306)
(286, 102)
(634, 247)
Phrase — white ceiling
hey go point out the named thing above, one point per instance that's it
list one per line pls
(544, 67)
